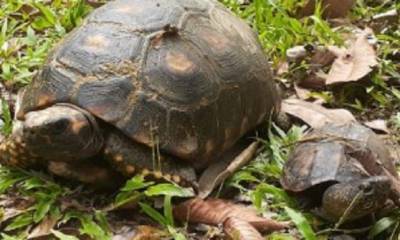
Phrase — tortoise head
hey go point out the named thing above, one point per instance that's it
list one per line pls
(356, 198)
(58, 133)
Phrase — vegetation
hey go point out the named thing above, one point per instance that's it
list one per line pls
(32, 200)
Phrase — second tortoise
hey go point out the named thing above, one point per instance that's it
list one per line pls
(343, 170)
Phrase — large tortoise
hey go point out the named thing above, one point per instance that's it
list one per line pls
(345, 170)
(165, 86)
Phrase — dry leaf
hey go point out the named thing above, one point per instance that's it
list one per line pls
(13, 206)
(217, 211)
(301, 92)
(318, 57)
(314, 80)
(392, 146)
(322, 57)
(315, 115)
(283, 68)
(354, 63)
(378, 125)
(141, 232)
(238, 229)
(126, 230)
(218, 172)
(43, 228)
(8, 213)
(332, 8)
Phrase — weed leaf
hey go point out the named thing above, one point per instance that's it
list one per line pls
(168, 189)
(380, 226)
(62, 236)
(154, 214)
(302, 224)
(20, 221)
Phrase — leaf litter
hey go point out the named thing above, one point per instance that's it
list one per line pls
(354, 62)
(315, 115)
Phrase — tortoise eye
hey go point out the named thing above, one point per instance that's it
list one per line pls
(367, 188)
(60, 126)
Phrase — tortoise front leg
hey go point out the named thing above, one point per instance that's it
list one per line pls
(130, 158)
(93, 173)
(13, 152)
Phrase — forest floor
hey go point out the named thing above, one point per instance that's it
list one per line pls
(322, 60)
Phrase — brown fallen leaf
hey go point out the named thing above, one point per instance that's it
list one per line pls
(315, 115)
(12, 206)
(322, 57)
(43, 228)
(238, 229)
(332, 8)
(208, 231)
(217, 211)
(378, 125)
(314, 80)
(393, 147)
(9, 213)
(301, 92)
(317, 57)
(354, 63)
(29, 10)
(282, 68)
(218, 172)
(141, 232)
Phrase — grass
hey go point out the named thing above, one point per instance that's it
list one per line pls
(278, 31)
(28, 30)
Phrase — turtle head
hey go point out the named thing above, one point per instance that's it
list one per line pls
(58, 133)
(356, 199)
(373, 191)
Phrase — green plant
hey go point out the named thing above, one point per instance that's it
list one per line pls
(45, 198)
(388, 227)
(28, 29)
(7, 118)
(278, 30)
(254, 180)
(130, 193)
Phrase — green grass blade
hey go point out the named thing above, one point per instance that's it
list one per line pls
(154, 214)
(380, 226)
(168, 189)
(61, 236)
(301, 223)
(168, 210)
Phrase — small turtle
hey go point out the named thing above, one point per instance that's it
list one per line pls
(155, 86)
(344, 170)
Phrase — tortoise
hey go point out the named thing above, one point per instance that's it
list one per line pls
(160, 87)
(345, 171)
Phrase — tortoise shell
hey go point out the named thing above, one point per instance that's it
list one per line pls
(185, 75)
(336, 153)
